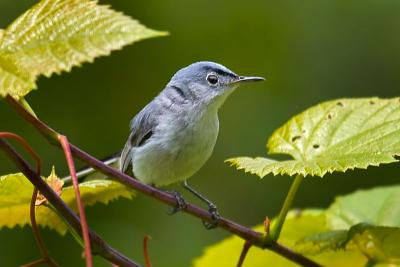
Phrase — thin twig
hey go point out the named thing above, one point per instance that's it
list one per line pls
(39, 240)
(256, 238)
(84, 225)
(34, 263)
(146, 250)
(100, 247)
(246, 246)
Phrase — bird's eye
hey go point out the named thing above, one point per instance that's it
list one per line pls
(212, 79)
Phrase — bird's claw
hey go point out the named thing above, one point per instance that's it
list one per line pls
(214, 217)
(180, 203)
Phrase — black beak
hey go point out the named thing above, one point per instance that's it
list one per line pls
(243, 79)
(250, 79)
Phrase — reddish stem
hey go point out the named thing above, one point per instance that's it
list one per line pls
(146, 250)
(39, 240)
(85, 232)
(247, 245)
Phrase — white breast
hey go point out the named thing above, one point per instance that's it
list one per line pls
(179, 147)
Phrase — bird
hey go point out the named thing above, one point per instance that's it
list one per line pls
(174, 135)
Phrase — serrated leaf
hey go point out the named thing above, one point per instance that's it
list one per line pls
(16, 192)
(333, 136)
(96, 191)
(322, 242)
(14, 80)
(297, 226)
(56, 35)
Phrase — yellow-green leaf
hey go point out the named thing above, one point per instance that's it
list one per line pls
(55, 35)
(13, 79)
(298, 225)
(16, 192)
(333, 136)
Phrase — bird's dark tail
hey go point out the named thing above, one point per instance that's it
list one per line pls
(88, 173)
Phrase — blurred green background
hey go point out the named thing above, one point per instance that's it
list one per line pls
(310, 51)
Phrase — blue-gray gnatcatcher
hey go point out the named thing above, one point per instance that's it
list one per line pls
(174, 135)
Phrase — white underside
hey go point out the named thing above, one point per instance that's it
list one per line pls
(177, 149)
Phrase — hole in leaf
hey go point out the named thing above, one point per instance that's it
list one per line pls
(340, 104)
(294, 138)
(316, 146)
(396, 157)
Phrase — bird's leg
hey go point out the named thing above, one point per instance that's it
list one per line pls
(180, 201)
(212, 208)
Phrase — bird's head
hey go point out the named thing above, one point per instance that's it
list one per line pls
(208, 82)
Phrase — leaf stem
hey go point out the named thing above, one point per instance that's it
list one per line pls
(277, 224)
(26, 105)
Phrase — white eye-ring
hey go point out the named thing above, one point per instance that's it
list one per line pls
(212, 79)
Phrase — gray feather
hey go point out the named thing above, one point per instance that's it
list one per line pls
(142, 127)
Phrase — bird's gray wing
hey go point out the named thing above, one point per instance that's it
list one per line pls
(142, 128)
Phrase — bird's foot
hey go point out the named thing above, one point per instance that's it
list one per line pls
(180, 203)
(214, 217)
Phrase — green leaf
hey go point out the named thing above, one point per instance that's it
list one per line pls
(16, 192)
(55, 35)
(333, 136)
(297, 226)
(377, 206)
(366, 221)
(323, 242)
(378, 243)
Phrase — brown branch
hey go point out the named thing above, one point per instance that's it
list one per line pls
(79, 202)
(255, 238)
(100, 247)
